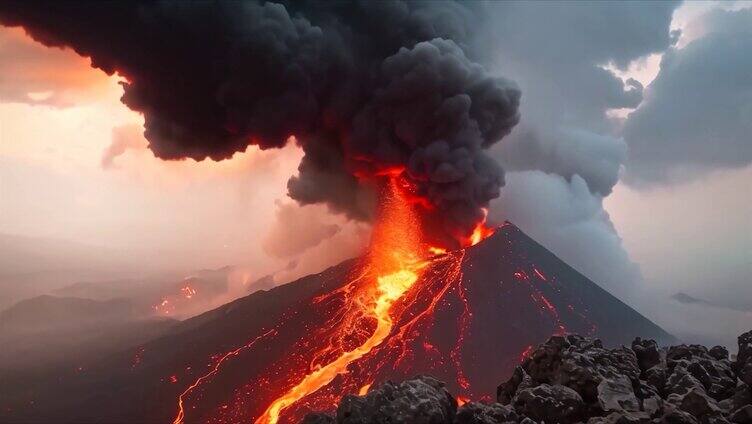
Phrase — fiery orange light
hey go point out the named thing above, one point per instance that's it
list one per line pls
(461, 400)
(437, 250)
(395, 261)
(364, 390)
(383, 316)
(188, 292)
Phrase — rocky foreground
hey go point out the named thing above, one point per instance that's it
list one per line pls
(574, 379)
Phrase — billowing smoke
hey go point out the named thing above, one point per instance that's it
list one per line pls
(296, 230)
(364, 87)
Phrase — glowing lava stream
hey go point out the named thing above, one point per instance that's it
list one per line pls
(390, 287)
(181, 411)
(394, 259)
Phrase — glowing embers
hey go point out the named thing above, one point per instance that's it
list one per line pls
(188, 292)
(480, 232)
(215, 369)
(172, 303)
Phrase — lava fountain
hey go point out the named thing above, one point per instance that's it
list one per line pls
(395, 262)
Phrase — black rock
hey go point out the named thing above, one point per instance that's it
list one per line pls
(742, 396)
(422, 400)
(573, 379)
(505, 392)
(656, 378)
(698, 404)
(677, 417)
(481, 413)
(719, 352)
(742, 415)
(647, 353)
(744, 357)
(318, 418)
(552, 404)
(617, 395)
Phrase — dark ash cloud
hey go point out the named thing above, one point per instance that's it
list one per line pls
(697, 116)
(375, 85)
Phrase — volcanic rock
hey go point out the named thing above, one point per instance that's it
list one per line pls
(422, 400)
(697, 403)
(676, 416)
(719, 352)
(742, 415)
(745, 348)
(538, 390)
(647, 353)
(716, 376)
(742, 396)
(549, 403)
(616, 395)
(581, 364)
(483, 413)
(318, 418)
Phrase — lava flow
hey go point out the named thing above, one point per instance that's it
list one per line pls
(374, 324)
(395, 262)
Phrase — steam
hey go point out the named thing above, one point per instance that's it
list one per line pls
(363, 87)
(124, 137)
(297, 229)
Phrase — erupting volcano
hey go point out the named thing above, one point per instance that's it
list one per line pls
(371, 322)
(407, 307)
(466, 316)
(397, 119)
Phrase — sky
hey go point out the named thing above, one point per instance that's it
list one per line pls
(631, 161)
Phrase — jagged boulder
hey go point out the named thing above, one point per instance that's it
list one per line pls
(572, 379)
(742, 415)
(697, 403)
(655, 378)
(714, 372)
(580, 363)
(675, 416)
(506, 390)
(422, 400)
(719, 352)
(549, 403)
(483, 413)
(744, 358)
(616, 395)
(617, 418)
(647, 353)
(742, 396)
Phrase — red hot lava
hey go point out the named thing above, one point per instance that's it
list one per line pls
(376, 322)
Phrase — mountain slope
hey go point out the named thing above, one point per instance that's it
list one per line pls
(468, 320)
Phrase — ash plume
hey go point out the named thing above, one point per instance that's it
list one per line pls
(364, 87)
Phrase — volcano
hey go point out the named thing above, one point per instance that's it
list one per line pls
(470, 317)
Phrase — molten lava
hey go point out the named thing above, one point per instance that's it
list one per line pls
(375, 323)
(395, 262)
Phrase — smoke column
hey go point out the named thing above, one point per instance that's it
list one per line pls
(365, 88)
